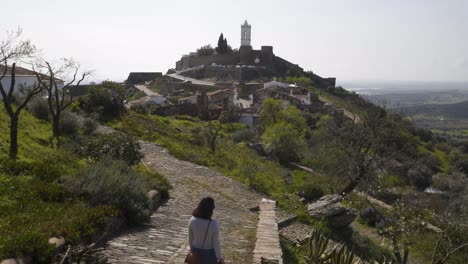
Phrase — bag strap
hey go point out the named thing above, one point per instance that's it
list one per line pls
(206, 233)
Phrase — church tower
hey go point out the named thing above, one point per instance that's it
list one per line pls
(245, 34)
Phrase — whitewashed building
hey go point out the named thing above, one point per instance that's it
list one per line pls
(24, 79)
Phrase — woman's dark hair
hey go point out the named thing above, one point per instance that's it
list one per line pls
(205, 208)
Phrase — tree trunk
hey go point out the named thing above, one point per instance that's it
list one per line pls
(56, 125)
(13, 137)
(213, 145)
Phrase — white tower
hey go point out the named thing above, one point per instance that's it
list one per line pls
(245, 34)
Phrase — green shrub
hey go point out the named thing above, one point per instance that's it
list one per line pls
(105, 99)
(69, 123)
(26, 243)
(39, 107)
(15, 167)
(420, 176)
(46, 170)
(139, 108)
(206, 50)
(48, 192)
(117, 145)
(283, 141)
(311, 191)
(244, 135)
(114, 183)
(89, 125)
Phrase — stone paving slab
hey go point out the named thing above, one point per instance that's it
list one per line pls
(165, 238)
(267, 245)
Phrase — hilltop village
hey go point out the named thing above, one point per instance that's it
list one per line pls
(206, 83)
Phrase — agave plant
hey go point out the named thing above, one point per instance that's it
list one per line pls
(313, 250)
(340, 255)
(382, 260)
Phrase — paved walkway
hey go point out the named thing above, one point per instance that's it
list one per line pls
(192, 80)
(267, 246)
(165, 238)
(145, 89)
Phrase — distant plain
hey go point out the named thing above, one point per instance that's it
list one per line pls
(439, 106)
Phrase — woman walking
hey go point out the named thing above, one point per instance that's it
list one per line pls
(204, 235)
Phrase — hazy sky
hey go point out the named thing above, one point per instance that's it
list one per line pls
(348, 39)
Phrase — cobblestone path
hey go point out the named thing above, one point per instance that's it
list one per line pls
(165, 238)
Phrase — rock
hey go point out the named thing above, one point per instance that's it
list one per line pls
(155, 197)
(372, 216)
(269, 261)
(329, 207)
(58, 242)
(23, 260)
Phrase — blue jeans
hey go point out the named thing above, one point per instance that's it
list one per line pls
(208, 256)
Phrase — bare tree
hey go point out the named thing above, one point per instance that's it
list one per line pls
(14, 49)
(59, 96)
(212, 130)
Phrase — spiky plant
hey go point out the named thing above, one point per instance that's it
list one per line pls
(314, 247)
(382, 260)
(340, 255)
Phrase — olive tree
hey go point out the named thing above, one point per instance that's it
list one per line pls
(57, 81)
(13, 49)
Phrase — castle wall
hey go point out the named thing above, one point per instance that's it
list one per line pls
(282, 67)
(322, 83)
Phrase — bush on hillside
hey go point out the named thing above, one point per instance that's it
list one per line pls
(140, 108)
(106, 99)
(206, 50)
(244, 135)
(15, 167)
(117, 145)
(420, 176)
(114, 183)
(311, 191)
(26, 243)
(283, 142)
(39, 107)
(89, 125)
(69, 123)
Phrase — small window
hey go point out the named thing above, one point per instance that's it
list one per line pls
(245, 34)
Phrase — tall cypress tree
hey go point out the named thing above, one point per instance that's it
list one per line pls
(220, 47)
(225, 46)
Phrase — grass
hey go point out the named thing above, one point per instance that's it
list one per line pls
(34, 136)
(34, 206)
(443, 159)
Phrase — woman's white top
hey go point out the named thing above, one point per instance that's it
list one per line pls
(197, 231)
